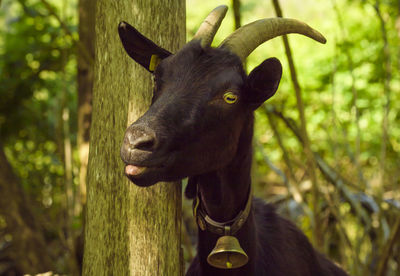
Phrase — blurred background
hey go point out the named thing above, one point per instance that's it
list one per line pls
(326, 145)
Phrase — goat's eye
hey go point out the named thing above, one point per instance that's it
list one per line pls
(230, 98)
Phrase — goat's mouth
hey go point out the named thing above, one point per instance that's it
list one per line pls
(142, 176)
(132, 170)
(148, 172)
(156, 167)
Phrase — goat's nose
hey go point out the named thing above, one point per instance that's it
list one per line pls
(140, 139)
(144, 142)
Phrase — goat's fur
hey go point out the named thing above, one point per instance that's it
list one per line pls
(190, 131)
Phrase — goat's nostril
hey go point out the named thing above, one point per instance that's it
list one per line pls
(139, 138)
(144, 142)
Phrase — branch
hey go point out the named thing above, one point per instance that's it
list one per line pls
(386, 90)
(341, 229)
(236, 13)
(85, 53)
(354, 91)
(304, 134)
(394, 236)
(327, 171)
(295, 188)
(272, 166)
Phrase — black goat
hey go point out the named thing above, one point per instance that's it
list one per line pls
(200, 125)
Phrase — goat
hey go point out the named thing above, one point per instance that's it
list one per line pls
(200, 126)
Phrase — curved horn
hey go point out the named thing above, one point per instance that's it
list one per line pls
(245, 39)
(210, 25)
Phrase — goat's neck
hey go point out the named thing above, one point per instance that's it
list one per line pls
(225, 192)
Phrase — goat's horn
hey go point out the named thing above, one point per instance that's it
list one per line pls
(210, 25)
(245, 39)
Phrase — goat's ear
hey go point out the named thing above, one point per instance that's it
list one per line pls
(263, 82)
(141, 49)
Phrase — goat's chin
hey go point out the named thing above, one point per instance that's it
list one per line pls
(150, 178)
(142, 181)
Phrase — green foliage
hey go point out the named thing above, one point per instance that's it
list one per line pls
(38, 83)
(38, 80)
(343, 85)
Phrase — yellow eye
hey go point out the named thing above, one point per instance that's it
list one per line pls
(230, 98)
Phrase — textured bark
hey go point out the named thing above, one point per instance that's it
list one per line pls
(129, 230)
(28, 246)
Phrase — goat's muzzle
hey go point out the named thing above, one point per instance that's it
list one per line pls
(139, 142)
(137, 152)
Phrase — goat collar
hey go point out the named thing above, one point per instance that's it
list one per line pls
(221, 228)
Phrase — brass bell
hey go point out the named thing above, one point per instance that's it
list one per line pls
(227, 254)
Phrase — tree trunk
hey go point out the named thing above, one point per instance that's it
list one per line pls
(129, 230)
(28, 246)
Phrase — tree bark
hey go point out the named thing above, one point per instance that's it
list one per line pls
(129, 230)
(28, 246)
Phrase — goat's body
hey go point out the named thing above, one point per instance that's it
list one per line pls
(275, 246)
(278, 247)
(200, 125)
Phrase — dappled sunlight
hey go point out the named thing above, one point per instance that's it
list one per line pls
(338, 180)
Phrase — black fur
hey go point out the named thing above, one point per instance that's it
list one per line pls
(190, 131)
(279, 249)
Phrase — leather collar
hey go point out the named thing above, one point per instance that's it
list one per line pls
(221, 228)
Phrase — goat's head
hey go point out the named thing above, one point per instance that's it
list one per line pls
(202, 98)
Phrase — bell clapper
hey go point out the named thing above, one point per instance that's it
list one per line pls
(228, 262)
